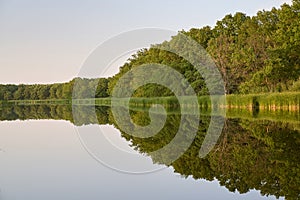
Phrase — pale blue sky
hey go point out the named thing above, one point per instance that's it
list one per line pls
(47, 41)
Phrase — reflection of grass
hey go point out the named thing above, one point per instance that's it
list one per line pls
(270, 115)
(277, 115)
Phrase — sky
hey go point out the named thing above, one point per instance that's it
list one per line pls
(48, 41)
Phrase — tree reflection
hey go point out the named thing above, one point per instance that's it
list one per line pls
(251, 154)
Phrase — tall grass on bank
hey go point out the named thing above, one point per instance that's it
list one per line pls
(269, 101)
(282, 101)
(92, 101)
(289, 101)
(40, 102)
(273, 101)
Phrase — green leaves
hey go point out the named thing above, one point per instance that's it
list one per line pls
(85, 88)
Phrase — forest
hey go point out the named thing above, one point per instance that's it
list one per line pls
(257, 54)
(56, 90)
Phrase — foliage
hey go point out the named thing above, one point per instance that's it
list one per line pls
(84, 89)
(256, 54)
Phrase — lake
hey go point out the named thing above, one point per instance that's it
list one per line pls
(52, 152)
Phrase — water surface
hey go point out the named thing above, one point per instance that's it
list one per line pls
(47, 154)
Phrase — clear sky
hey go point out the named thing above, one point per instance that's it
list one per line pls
(48, 41)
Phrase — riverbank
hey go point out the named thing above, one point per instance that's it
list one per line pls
(288, 101)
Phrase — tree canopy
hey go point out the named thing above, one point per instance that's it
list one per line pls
(84, 89)
(254, 54)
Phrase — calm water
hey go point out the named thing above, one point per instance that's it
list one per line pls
(48, 152)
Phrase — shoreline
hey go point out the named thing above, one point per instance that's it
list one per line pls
(287, 101)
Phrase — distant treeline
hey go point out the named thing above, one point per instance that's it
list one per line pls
(84, 89)
(258, 54)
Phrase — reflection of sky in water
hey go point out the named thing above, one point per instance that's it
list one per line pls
(106, 145)
(45, 160)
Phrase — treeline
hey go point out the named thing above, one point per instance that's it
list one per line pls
(254, 54)
(84, 88)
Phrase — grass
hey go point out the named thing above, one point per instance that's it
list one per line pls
(289, 101)
(40, 102)
(92, 101)
(270, 101)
